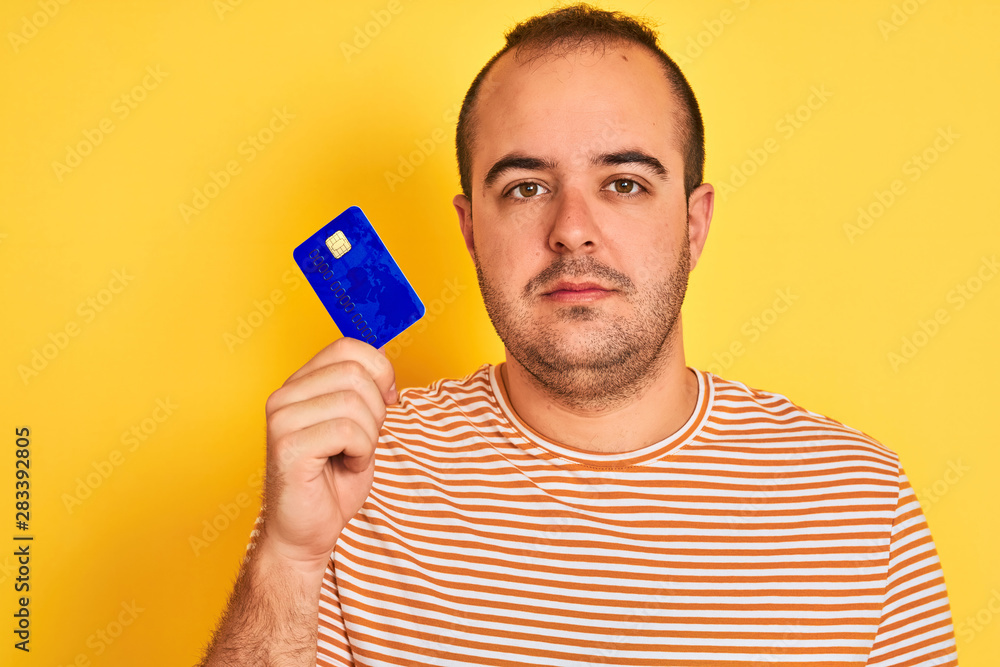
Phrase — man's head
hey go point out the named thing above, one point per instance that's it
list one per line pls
(587, 219)
(582, 26)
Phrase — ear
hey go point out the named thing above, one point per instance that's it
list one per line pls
(701, 204)
(464, 208)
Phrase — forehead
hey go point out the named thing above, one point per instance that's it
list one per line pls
(585, 101)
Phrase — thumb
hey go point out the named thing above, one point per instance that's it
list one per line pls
(359, 464)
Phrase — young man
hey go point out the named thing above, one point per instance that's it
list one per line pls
(593, 499)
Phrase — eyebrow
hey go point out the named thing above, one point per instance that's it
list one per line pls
(514, 161)
(632, 157)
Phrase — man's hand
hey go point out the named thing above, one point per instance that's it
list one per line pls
(322, 427)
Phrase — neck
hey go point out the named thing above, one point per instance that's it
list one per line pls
(656, 411)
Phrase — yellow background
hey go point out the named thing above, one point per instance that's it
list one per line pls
(223, 71)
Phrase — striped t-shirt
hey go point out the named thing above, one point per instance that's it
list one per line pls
(758, 533)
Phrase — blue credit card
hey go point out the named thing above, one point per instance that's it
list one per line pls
(357, 279)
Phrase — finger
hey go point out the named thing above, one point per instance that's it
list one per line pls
(340, 405)
(344, 349)
(307, 451)
(342, 376)
(393, 394)
(358, 464)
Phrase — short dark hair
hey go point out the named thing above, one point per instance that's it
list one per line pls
(569, 28)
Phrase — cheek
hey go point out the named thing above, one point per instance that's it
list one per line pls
(510, 258)
(649, 263)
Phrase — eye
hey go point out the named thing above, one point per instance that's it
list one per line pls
(526, 190)
(626, 186)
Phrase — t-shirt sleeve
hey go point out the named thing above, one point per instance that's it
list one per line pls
(915, 629)
(333, 649)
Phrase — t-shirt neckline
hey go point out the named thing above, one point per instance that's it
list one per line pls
(543, 446)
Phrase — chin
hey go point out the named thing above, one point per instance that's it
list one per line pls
(579, 348)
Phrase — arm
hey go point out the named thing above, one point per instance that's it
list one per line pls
(322, 426)
(270, 618)
(916, 628)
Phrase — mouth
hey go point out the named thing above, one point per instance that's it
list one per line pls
(578, 292)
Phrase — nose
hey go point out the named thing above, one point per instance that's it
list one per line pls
(574, 228)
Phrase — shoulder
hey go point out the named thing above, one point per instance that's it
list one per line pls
(739, 407)
(447, 415)
(447, 393)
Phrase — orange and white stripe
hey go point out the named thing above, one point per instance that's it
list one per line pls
(759, 533)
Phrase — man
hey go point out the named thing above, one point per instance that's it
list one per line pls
(593, 499)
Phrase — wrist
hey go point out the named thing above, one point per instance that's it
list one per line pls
(272, 561)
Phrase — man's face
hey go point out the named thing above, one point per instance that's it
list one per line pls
(578, 223)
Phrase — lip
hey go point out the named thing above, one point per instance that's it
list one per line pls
(580, 292)
(567, 286)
